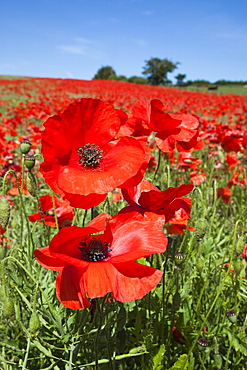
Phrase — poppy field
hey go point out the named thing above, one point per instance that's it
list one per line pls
(123, 227)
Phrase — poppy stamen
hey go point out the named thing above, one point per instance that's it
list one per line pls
(90, 155)
(94, 250)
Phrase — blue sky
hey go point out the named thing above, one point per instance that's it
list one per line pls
(74, 38)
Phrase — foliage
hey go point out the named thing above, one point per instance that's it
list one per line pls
(199, 286)
(105, 73)
(137, 80)
(180, 78)
(156, 70)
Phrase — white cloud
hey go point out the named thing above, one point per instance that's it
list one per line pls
(72, 49)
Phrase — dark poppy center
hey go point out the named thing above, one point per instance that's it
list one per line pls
(94, 250)
(50, 212)
(90, 155)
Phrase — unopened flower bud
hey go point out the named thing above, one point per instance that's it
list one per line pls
(201, 228)
(25, 146)
(34, 323)
(240, 245)
(31, 184)
(8, 308)
(29, 161)
(238, 266)
(232, 317)
(4, 212)
(199, 265)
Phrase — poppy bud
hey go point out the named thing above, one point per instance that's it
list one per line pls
(203, 343)
(29, 161)
(31, 184)
(218, 360)
(25, 146)
(4, 212)
(8, 308)
(240, 245)
(238, 266)
(201, 228)
(199, 265)
(179, 258)
(232, 317)
(34, 323)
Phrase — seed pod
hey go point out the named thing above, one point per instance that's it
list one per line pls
(4, 212)
(8, 308)
(25, 146)
(202, 343)
(232, 317)
(31, 184)
(201, 228)
(29, 161)
(179, 258)
(34, 323)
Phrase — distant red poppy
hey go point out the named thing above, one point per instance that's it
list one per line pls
(64, 212)
(82, 160)
(98, 259)
(225, 194)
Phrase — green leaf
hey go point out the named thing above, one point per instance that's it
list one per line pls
(181, 363)
(157, 360)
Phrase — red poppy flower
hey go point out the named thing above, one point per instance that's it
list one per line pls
(178, 336)
(92, 265)
(156, 205)
(64, 212)
(82, 161)
(225, 194)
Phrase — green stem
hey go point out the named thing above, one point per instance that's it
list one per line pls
(24, 365)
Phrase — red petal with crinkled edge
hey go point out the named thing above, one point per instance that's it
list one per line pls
(134, 237)
(155, 200)
(46, 260)
(119, 164)
(127, 281)
(165, 141)
(100, 221)
(188, 126)
(77, 126)
(136, 179)
(68, 288)
(84, 201)
(132, 194)
(160, 121)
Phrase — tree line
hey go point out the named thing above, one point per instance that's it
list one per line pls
(156, 71)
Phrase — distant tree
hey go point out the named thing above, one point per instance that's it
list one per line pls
(156, 70)
(118, 78)
(180, 78)
(138, 80)
(104, 73)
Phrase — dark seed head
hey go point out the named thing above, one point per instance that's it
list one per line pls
(94, 250)
(203, 343)
(90, 155)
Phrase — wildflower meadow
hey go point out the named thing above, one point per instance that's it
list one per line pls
(123, 227)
